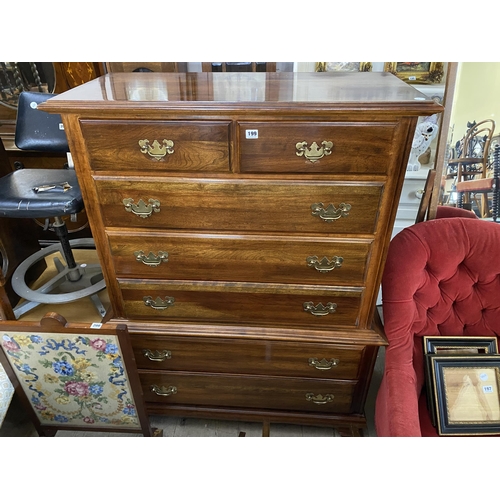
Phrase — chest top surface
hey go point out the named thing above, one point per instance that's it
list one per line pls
(275, 92)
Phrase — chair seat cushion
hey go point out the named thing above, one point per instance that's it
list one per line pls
(21, 198)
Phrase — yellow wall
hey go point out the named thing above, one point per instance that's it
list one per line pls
(477, 96)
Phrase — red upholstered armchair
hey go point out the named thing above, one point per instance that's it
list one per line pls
(442, 277)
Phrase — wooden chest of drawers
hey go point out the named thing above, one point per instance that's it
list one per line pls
(242, 221)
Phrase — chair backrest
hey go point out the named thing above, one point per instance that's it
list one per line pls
(37, 130)
(477, 143)
(442, 277)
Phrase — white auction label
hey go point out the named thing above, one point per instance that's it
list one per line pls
(252, 134)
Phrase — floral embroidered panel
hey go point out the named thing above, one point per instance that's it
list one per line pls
(73, 379)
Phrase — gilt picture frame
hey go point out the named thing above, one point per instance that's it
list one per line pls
(322, 67)
(452, 345)
(467, 394)
(417, 72)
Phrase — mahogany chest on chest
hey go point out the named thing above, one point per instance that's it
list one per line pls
(242, 222)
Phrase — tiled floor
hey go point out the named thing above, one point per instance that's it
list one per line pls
(17, 424)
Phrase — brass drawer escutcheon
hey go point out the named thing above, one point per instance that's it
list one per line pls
(314, 152)
(156, 150)
(324, 364)
(330, 213)
(141, 209)
(164, 391)
(320, 309)
(158, 304)
(151, 259)
(324, 265)
(319, 399)
(157, 355)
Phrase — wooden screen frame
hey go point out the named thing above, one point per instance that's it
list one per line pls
(55, 323)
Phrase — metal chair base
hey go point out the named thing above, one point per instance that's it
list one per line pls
(67, 286)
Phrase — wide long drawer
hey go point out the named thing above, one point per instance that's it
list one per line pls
(282, 305)
(308, 147)
(237, 257)
(240, 205)
(175, 388)
(299, 359)
(157, 146)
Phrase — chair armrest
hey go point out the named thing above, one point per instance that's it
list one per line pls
(396, 406)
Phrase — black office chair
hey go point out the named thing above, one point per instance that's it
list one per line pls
(50, 194)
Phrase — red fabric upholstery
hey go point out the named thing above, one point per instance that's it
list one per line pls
(442, 277)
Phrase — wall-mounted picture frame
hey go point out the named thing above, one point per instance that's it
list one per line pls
(467, 394)
(322, 67)
(416, 72)
(452, 345)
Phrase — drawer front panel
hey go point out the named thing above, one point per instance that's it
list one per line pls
(193, 146)
(246, 357)
(314, 395)
(315, 307)
(246, 205)
(329, 148)
(239, 258)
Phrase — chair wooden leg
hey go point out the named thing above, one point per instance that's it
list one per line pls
(484, 205)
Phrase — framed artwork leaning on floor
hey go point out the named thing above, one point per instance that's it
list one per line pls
(467, 394)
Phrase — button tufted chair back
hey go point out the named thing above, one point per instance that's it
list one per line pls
(442, 277)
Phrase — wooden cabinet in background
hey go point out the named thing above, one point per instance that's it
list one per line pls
(72, 74)
(17, 242)
(157, 67)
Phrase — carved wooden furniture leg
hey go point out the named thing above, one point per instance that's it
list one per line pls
(350, 431)
(266, 428)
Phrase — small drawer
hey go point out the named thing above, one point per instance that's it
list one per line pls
(158, 146)
(235, 303)
(280, 393)
(252, 357)
(322, 207)
(316, 148)
(236, 257)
